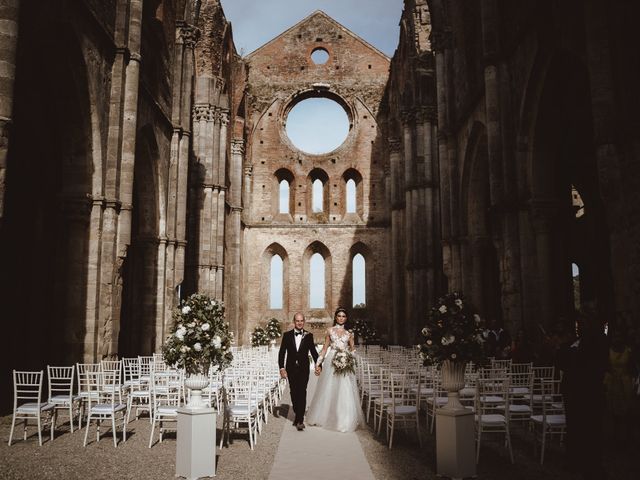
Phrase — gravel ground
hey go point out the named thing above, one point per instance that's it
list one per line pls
(66, 458)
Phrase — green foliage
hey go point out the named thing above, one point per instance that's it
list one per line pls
(259, 337)
(365, 331)
(452, 332)
(273, 329)
(200, 336)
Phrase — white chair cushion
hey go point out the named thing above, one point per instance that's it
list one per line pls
(107, 407)
(33, 407)
(167, 410)
(520, 390)
(403, 409)
(491, 419)
(63, 399)
(516, 408)
(555, 420)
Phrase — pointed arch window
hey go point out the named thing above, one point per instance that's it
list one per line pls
(316, 281)
(351, 196)
(359, 281)
(282, 195)
(352, 192)
(276, 282)
(284, 201)
(575, 275)
(317, 200)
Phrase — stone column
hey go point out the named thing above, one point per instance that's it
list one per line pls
(8, 40)
(610, 161)
(116, 224)
(442, 44)
(232, 258)
(190, 36)
(543, 212)
(397, 264)
(431, 240)
(409, 231)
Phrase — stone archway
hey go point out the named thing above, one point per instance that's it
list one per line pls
(561, 158)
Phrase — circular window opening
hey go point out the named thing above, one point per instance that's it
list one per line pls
(317, 125)
(319, 56)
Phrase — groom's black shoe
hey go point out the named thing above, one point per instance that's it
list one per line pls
(300, 426)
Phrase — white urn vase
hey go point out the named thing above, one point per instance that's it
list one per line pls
(196, 382)
(453, 382)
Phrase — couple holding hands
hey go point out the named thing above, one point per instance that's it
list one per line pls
(336, 403)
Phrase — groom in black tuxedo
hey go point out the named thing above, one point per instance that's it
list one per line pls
(296, 345)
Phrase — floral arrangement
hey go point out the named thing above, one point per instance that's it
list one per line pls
(343, 362)
(200, 336)
(453, 332)
(366, 332)
(259, 337)
(273, 330)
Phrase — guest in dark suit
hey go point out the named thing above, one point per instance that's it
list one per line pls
(296, 346)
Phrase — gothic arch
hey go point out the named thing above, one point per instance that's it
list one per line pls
(560, 155)
(313, 248)
(275, 249)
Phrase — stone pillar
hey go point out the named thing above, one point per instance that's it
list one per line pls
(442, 44)
(232, 257)
(8, 40)
(429, 193)
(543, 213)
(610, 161)
(116, 225)
(409, 230)
(397, 264)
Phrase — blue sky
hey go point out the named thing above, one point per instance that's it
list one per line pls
(255, 22)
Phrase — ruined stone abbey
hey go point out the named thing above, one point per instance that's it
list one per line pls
(143, 159)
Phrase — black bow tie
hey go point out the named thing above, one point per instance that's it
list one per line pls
(298, 332)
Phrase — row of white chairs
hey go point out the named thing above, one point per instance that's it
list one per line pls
(114, 389)
(500, 395)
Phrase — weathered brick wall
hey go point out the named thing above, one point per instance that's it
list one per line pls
(355, 74)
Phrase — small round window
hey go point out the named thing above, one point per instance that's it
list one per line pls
(319, 56)
(317, 125)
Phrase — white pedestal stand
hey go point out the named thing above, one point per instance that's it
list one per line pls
(455, 443)
(196, 446)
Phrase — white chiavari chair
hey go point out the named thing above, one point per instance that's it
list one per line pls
(403, 409)
(491, 416)
(165, 400)
(552, 421)
(61, 396)
(88, 387)
(27, 402)
(108, 407)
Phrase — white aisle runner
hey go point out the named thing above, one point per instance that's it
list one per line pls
(316, 453)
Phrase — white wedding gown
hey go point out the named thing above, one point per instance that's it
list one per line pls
(336, 402)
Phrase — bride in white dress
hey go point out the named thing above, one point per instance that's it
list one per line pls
(336, 402)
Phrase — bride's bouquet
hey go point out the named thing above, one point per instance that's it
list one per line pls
(343, 362)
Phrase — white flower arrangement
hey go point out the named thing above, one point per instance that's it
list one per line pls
(200, 337)
(452, 332)
(259, 337)
(273, 329)
(343, 362)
